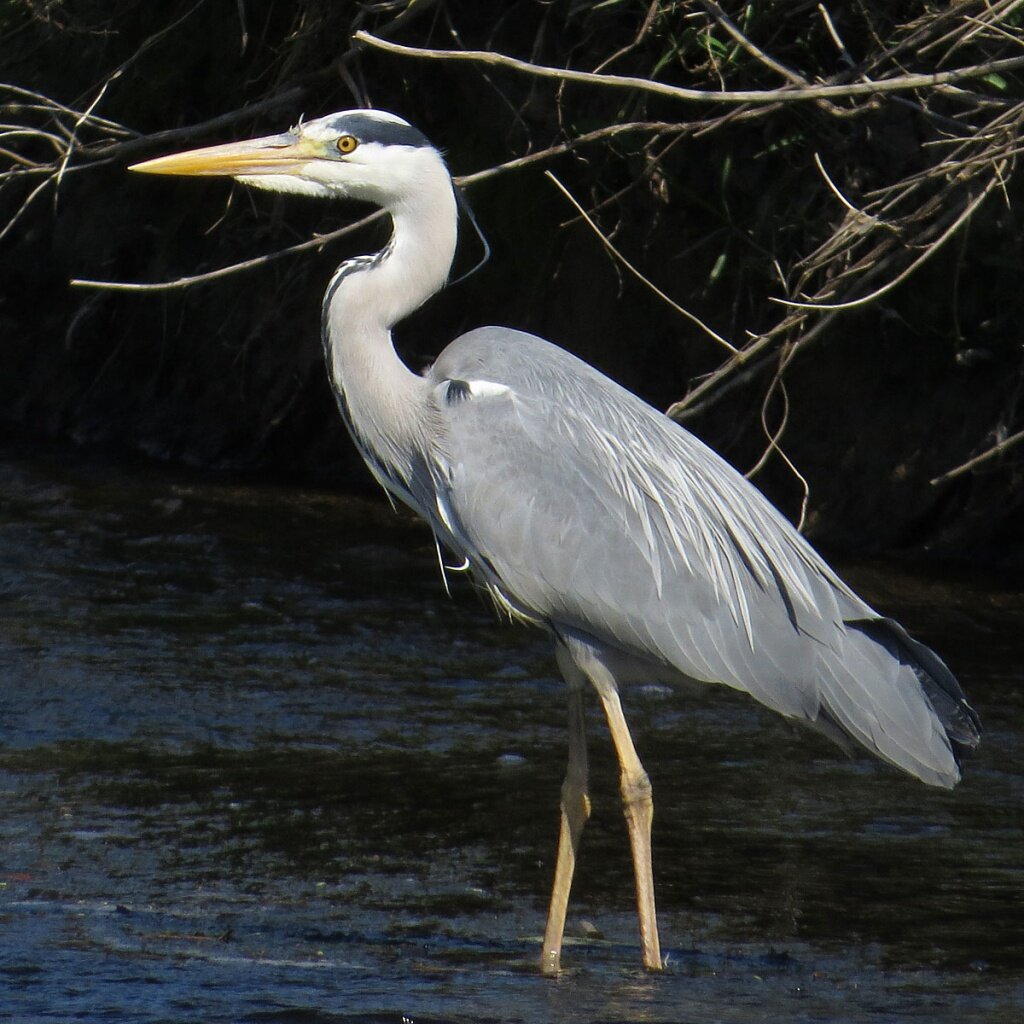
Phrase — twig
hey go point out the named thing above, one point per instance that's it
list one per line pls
(541, 155)
(774, 439)
(970, 464)
(140, 145)
(51, 106)
(636, 273)
(995, 27)
(836, 38)
(755, 51)
(749, 360)
(930, 251)
(834, 189)
(900, 83)
(234, 268)
(645, 27)
(957, 39)
(73, 137)
(26, 203)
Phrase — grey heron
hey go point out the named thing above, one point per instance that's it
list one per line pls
(581, 509)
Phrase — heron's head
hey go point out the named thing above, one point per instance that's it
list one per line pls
(360, 154)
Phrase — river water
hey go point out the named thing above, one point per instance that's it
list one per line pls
(256, 766)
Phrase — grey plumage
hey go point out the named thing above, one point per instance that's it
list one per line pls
(652, 544)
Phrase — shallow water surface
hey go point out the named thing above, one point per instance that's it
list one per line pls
(255, 765)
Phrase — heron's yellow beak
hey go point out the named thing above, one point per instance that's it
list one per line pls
(275, 154)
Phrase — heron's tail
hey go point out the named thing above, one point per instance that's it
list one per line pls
(940, 687)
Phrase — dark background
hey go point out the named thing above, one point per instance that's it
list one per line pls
(228, 374)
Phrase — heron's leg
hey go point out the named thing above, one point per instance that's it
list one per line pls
(638, 805)
(575, 811)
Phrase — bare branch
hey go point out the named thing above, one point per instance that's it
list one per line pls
(23, 208)
(985, 456)
(928, 253)
(636, 273)
(73, 137)
(47, 105)
(899, 83)
(215, 275)
(775, 439)
(541, 155)
(143, 144)
(834, 189)
(755, 51)
(739, 368)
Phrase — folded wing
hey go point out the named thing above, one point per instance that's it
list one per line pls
(581, 506)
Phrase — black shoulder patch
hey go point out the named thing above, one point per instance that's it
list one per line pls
(458, 391)
(368, 128)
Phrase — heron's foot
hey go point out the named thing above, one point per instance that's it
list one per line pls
(551, 963)
(652, 959)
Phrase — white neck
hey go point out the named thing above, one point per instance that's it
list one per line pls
(385, 404)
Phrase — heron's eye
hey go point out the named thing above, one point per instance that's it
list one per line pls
(346, 144)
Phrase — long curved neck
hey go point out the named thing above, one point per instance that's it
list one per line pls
(385, 405)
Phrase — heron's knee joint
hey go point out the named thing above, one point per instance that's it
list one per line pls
(575, 801)
(636, 791)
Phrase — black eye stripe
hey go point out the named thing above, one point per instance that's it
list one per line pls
(367, 128)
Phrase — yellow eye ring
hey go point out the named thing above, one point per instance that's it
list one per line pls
(346, 144)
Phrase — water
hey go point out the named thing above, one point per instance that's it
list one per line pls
(256, 766)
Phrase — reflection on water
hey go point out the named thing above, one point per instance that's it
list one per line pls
(256, 766)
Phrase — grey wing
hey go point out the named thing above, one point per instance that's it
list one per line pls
(580, 506)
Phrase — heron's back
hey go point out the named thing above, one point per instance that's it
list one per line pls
(591, 511)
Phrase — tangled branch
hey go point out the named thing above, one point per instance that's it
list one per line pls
(784, 94)
(950, 73)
